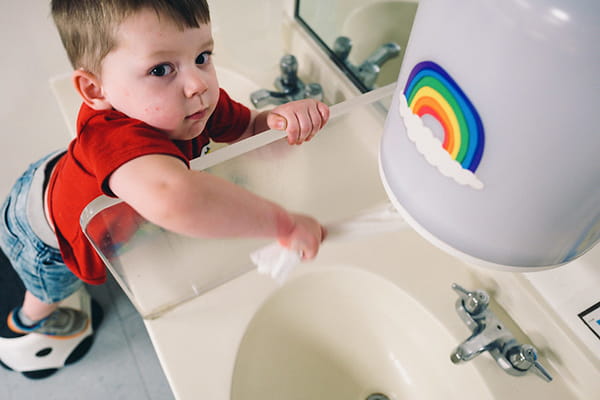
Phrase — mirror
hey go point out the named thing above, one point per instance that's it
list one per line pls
(366, 39)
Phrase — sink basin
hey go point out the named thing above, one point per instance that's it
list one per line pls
(393, 20)
(237, 85)
(343, 333)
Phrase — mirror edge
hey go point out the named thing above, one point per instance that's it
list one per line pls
(340, 64)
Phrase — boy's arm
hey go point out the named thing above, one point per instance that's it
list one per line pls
(164, 191)
(300, 119)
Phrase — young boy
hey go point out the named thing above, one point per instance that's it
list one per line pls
(151, 101)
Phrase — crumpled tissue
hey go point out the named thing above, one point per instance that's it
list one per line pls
(277, 261)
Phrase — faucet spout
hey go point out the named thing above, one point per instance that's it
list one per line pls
(468, 351)
(489, 334)
(384, 53)
(369, 70)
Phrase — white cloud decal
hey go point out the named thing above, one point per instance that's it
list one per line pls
(432, 149)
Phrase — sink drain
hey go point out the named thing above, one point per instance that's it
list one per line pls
(378, 396)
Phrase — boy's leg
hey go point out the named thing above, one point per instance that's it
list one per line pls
(47, 319)
(38, 280)
(37, 261)
(34, 310)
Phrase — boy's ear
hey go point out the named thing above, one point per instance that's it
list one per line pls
(90, 89)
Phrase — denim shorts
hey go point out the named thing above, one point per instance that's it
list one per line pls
(28, 241)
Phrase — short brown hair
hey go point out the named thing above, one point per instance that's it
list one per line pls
(87, 27)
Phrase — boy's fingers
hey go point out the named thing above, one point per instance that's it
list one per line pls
(306, 126)
(317, 123)
(276, 121)
(324, 111)
(300, 127)
(323, 233)
(280, 123)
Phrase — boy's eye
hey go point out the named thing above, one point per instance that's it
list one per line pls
(203, 58)
(161, 70)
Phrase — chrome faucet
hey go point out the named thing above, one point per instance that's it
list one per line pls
(368, 71)
(289, 86)
(489, 334)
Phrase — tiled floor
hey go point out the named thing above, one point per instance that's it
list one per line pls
(122, 363)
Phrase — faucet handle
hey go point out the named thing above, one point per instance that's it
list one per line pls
(473, 302)
(524, 357)
(288, 65)
(342, 47)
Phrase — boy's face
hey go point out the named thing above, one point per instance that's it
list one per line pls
(161, 75)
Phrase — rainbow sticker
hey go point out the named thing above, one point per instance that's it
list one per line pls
(430, 90)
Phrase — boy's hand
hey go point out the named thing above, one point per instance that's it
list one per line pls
(306, 237)
(301, 119)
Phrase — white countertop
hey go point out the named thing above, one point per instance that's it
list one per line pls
(197, 341)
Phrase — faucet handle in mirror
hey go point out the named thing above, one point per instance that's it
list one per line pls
(342, 47)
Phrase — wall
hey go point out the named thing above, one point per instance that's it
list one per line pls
(29, 116)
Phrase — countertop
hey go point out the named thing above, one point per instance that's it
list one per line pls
(197, 341)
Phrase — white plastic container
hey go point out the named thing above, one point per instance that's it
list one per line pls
(491, 146)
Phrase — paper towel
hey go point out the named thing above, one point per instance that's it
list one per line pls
(277, 261)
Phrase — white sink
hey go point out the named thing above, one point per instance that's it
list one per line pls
(237, 85)
(343, 333)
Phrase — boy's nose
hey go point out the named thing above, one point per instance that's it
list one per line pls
(195, 83)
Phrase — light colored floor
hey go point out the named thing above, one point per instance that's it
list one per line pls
(122, 363)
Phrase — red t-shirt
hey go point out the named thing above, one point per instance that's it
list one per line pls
(105, 141)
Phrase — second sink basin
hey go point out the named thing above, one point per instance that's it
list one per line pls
(343, 333)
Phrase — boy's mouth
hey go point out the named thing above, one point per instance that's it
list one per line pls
(197, 115)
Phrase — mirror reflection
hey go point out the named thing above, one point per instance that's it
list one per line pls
(366, 39)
